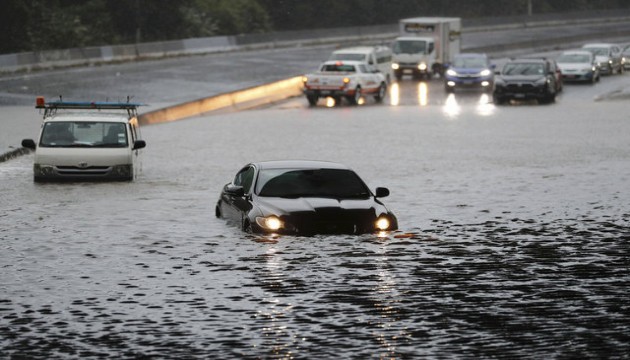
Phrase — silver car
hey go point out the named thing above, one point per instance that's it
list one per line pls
(608, 56)
(578, 65)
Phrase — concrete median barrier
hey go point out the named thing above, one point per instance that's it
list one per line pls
(236, 100)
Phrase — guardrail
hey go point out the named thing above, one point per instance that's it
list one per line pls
(30, 61)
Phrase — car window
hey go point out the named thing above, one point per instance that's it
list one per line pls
(330, 183)
(470, 62)
(574, 58)
(348, 56)
(338, 68)
(245, 178)
(523, 69)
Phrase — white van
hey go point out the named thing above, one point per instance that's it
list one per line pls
(380, 57)
(87, 141)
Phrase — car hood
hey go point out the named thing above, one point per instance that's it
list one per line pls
(574, 66)
(521, 78)
(602, 58)
(284, 206)
(468, 71)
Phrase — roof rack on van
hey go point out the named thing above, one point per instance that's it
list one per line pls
(52, 106)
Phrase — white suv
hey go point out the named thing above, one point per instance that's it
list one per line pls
(87, 141)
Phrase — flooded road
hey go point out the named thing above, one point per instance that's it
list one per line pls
(515, 225)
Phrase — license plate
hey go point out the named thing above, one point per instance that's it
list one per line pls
(519, 96)
(468, 82)
(324, 92)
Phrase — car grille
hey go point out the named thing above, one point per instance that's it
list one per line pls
(522, 88)
(333, 221)
(88, 171)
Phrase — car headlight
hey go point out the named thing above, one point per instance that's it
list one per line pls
(451, 72)
(269, 222)
(485, 72)
(382, 223)
(395, 66)
(422, 66)
(542, 81)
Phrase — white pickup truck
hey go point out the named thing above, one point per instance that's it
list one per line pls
(344, 79)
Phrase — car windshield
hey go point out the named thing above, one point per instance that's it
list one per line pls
(409, 47)
(348, 56)
(598, 51)
(523, 69)
(338, 68)
(327, 183)
(469, 62)
(574, 58)
(83, 134)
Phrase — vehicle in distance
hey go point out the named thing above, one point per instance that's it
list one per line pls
(625, 57)
(469, 71)
(607, 56)
(578, 65)
(300, 197)
(425, 46)
(344, 79)
(526, 79)
(380, 57)
(87, 141)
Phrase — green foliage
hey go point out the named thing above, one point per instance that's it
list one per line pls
(33, 25)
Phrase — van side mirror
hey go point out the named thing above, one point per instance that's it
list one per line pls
(28, 143)
(139, 144)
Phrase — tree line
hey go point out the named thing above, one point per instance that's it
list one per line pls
(35, 25)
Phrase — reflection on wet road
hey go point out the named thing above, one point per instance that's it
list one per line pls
(515, 223)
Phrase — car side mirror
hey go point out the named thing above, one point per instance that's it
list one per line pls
(28, 143)
(139, 144)
(381, 192)
(235, 190)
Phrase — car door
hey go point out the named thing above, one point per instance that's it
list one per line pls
(237, 205)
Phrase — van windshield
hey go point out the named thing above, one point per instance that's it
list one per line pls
(409, 47)
(84, 134)
(348, 56)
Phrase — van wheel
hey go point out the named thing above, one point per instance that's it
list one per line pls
(382, 91)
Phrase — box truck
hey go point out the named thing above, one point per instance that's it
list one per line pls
(425, 46)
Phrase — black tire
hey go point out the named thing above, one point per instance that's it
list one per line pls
(312, 99)
(498, 100)
(247, 227)
(380, 95)
(354, 100)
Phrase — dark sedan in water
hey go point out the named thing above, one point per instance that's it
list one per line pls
(305, 198)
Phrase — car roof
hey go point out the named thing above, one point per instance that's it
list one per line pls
(345, 62)
(528, 60)
(471, 55)
(359, 49)
(299, 164)
(597, 45)
(89, 116)
(582, 52)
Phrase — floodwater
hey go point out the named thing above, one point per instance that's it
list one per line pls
(514, 241)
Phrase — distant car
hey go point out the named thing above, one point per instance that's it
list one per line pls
(303, 198)
(522, 79)
(608, 56)
(578, 65)
(380, 57)
(625, 57)
(469, 71)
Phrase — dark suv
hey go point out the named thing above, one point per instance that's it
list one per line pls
(522, 79)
